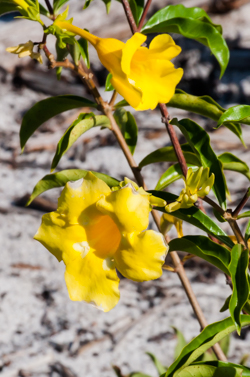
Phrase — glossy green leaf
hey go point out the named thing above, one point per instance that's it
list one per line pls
(247, 231)
(42, 9)
(199, 140)
(83, 49)
(225, 344)
(243, 215)
(160, 368)
(82, 124)
(222, 364)
(238, 269)
(195, 217)
(107, 4)
(181, 342)
(128, 126)
(204, 248)
(231, 162)
(87, 4)
(192, 23)
(172, 174)
(237, 113)
(167, 154)
(60, 179)
(207, 338)
(46, 109)
(108, 86)
(203, 105)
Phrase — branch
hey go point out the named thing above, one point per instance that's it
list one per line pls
(242, 203)
(144, 14)
(130, 17)
(50, 9)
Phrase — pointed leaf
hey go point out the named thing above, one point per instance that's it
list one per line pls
(199, 140)
(203, 370)
(247, 231)
(7, 7)
(235, 114)
(223, 364)
(83, 49)
(60, 179)
(204, 248)
(192, 23)
(195, 217)
(167, 154)
(231, 162)
(57, 4)
(82, 124)
(128, 126)
(108, 4)
(206, 339)
(46, 109)
(160, 368)
(238, 269)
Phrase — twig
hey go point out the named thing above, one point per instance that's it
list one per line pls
(242, 203)
(144, 14)
(50, 9)
(129, 15)
(113, 98)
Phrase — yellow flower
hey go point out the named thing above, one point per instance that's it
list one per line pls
(143, 76)
(167, 221)
(197, 184)
(25, 49)
(22, 4)
(94, 231)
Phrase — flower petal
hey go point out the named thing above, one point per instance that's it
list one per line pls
(163, 47)
(141, 255)
(131, 46)
(80, 195)
(128, 91)
(93, 280)
(127, 207)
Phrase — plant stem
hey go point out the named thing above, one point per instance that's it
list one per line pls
(242, 203)
(129, 15)
(144, 14)
(50, 9)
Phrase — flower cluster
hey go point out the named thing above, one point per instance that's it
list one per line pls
(197, 185)
(143, 76)
(96, 231)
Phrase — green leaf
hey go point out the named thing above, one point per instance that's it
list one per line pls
(160, 368)
(199, 140)
(108, 4)
(225, 344)
(204, 248)
(60, 179)
(222, 364)
(167, 154)
(238, 269)
(128, 126)
(207, 338)
(203, 105)
(195, 217)
(57, 4)
(235, 114)
(137, 7)
(108, 85)
(172, 174)
(231, 162)
(138, 374)
(82, 124)
(46, 109)
(192, 23)
(181, 342)
(243, 215)
(83, 49)
(247, 231)
(87, 4)
(7, 7)
(203, 370)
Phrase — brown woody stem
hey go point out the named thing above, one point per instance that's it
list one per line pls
(129, 15)
(144, 14)
(50, 9)
(242, 203)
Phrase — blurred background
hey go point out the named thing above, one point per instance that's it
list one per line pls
(42, 332)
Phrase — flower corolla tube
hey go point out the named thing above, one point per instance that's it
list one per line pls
(143, 76)
(197, 185)
(25, 49)
(95, 231)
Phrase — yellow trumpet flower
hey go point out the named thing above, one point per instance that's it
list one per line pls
(143, 76)
(167, 221)
(197, 184)
(25, 49)
(95, 231)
